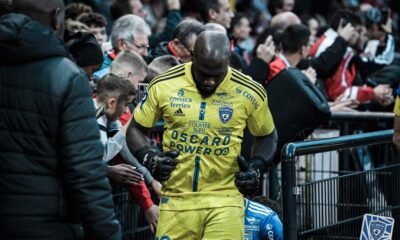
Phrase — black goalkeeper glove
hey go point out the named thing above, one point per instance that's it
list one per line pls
(160, 164)
(248, 179)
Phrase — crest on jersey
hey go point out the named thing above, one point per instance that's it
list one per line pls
(225, 114)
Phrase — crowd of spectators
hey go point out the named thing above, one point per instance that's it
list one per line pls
(346, 49)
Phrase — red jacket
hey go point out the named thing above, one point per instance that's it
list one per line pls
(139, 193)
(342, 81)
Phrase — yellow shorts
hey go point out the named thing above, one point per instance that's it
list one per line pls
(225, 223)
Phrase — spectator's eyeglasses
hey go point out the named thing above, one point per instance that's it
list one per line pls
(138, 46)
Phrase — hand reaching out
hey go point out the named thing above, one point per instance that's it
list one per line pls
(124, 173)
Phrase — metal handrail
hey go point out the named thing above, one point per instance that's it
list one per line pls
(362, 116)
(289, 157)
(337, 143)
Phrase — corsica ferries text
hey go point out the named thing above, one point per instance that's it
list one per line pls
(208, 145)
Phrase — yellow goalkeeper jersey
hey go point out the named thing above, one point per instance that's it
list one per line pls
(207, 131)
(396, 109)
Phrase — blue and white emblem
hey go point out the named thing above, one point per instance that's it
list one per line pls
(225, 114)
(376, 228)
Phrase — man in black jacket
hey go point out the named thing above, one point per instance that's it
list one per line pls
(53, 182)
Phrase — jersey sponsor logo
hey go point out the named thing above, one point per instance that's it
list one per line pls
(252, 228)
(199, 126)
(225, 130)
(186, 143)
(225, 114)
(224, 95)
(270, 232)
(180, 101)
(179, 113)
(223, 103)
(248, 96)
(181, 92)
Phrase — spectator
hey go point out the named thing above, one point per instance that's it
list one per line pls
(278, 6)
(261, 222)
(160, 65)
(74, 10)
(282, 20)
(294, 42)
(313, 25)
(120, 8)
(75, 26)
(215, 27)
(263, 53)
(218, 212)
(129, 32)
(216, 11)
(5, 7)
(344, 79)
(86, 52)
(53, 182)
(239, 34)
(112, 97)
(97, 25)
(182, 44)
(131, 66)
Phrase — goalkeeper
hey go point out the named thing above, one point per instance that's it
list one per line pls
(205, 105)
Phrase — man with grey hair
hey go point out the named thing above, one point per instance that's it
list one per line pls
(129, 32)
(182, 44)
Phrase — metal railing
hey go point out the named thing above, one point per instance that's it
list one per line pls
(131, 218)
(331, 207)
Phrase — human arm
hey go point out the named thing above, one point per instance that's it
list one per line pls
(83, 171)
(173, 19)
(259, 66)
(124, 173)
(129, 158)
(160, 164)
(261, 126)
(146, 114)
(141, 196)
(326, 63)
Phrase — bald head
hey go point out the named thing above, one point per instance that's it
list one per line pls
(212, 47)
(282, 20)
(215, 27)
(47, 12)
(210, 62)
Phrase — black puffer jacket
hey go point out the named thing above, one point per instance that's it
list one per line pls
(51, 172)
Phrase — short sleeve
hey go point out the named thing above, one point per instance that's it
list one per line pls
(397, 107)
(271, 228)
(260, 121)
(148, 111)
